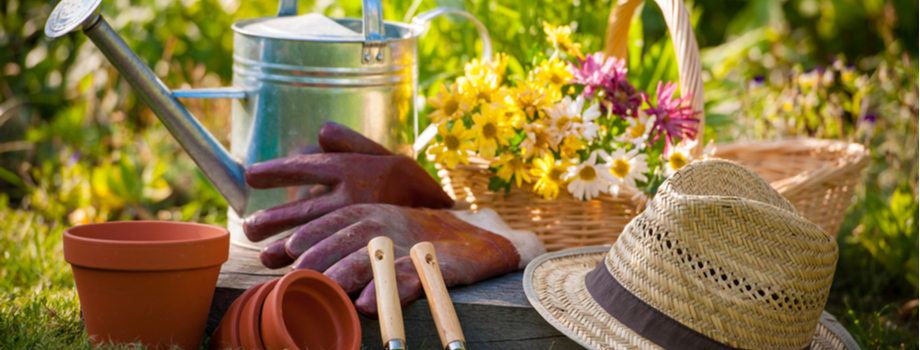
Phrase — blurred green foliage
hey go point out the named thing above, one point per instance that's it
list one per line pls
(77, 146)
(890, 233)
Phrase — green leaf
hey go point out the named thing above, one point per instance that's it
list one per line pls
(497, 184)
(12, 178)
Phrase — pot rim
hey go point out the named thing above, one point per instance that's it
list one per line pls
(277, 297)
(234, 314)
(146, 255)
(69, 232)
(250, 310)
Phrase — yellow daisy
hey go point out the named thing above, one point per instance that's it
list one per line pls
(511, 165)
(486, 89)
(449, 104)
(555, 75)
(561, 37)
(514, 116)
(530, 98)
(549, 173)
(476, 68)
(571, 145)
(491, 130)
(499, 64)
(454, 146)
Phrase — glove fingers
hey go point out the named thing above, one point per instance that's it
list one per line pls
(315, 231)
(306, 169)
(337, 138)
(418, 188)
(407, 284)
(268, 222)
(335, 247)
(274, 256)
(353, 272)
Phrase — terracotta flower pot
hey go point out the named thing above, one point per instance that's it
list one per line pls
(307, 310)
(250, 335)
(227, 334)
(146, 281)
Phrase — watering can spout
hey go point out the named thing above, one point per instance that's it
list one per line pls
(225, 172)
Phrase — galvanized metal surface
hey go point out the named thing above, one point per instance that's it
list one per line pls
(298, 85)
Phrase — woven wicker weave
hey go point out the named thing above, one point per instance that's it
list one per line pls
(817, 176)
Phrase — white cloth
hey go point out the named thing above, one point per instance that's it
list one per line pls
(527, 243)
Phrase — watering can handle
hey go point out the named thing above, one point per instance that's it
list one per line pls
(428, 16)
(374, 30)
(421, 20)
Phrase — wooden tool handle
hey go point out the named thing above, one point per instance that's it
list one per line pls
(442, 309)
(389, 310)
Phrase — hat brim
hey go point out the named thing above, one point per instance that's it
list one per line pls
(555, 286)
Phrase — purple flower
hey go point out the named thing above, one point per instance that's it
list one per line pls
(74, 158)
(622, 97)
(597, 71)
(671, 119)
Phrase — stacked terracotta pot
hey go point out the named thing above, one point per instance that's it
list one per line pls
(302, 310)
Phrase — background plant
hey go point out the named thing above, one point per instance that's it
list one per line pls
(66, 116)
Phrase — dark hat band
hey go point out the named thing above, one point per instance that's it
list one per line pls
(642, 318)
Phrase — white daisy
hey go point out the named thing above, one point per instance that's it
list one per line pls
(638, 131)
(682, 154)
(588, 179)
(625, 168)
(588, 126)
(566, 118)
(539, 140)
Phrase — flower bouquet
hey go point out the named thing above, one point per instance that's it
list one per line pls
(573, 145)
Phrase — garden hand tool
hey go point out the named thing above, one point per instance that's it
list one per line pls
(442, 309)
(356, 169)
(380, 251)
(474, 247)
(360, 72)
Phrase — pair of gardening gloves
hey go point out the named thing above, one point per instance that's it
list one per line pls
(360, 191)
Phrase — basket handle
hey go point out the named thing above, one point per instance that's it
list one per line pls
(685, 47)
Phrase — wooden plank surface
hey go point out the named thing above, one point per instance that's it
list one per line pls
(494, 314)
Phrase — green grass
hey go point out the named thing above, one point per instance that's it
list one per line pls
(39, 308)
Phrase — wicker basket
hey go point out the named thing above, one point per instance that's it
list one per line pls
(817, 176)
(561, 223)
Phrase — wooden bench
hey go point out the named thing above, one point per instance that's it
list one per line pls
(494, 314)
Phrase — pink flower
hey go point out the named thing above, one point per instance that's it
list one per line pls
(598, 71)
(671, 119)
(622, 99)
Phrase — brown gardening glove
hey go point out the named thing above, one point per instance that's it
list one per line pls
(352, 169)
(337, 244)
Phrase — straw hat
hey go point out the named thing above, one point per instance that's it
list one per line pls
(718, 260)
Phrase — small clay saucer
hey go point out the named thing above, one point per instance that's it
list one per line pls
(227, 334)
(250, 334)
(307, 310)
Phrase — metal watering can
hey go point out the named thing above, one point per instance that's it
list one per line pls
(290, 74)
